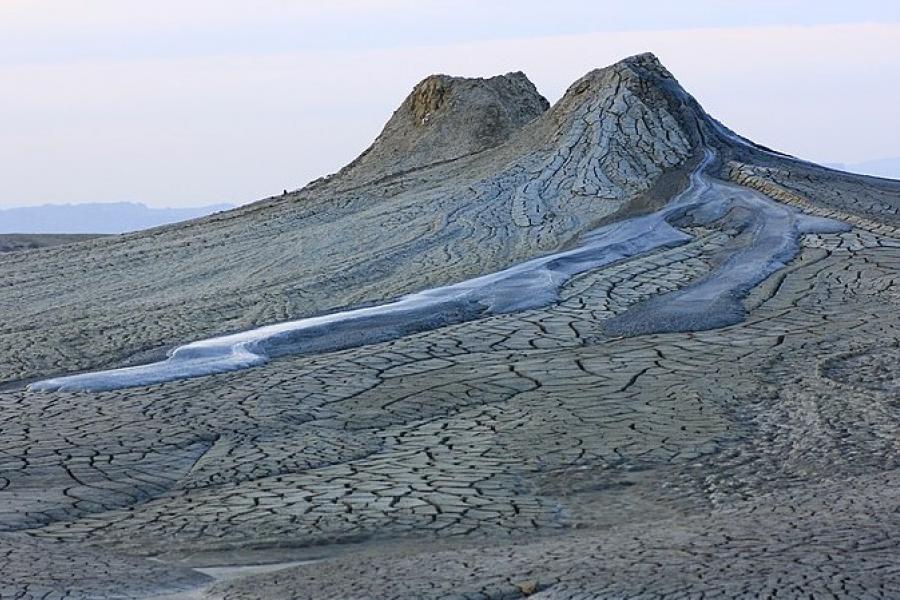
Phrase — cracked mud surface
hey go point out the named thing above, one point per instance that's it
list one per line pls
(528, 454)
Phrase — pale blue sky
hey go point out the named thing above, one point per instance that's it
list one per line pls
(188, 103)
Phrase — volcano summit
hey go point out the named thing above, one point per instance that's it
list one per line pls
(602, 349)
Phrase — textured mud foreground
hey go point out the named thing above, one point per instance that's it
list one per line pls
(548, 453)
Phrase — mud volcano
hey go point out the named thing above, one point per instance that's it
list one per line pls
(602, 349)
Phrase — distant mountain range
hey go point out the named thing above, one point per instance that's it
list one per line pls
(880, 167)
(97, 217)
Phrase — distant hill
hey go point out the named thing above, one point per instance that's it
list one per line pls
(113, 217)
(880, 167)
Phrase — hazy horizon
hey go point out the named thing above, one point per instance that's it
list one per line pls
(219, 102)
(96, 217)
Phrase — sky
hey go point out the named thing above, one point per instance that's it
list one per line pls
(194, 102)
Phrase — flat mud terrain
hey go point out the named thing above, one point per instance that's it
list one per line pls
(689, 387)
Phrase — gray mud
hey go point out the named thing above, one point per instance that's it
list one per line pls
(769, 232)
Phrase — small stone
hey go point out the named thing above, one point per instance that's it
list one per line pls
(528, 587)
